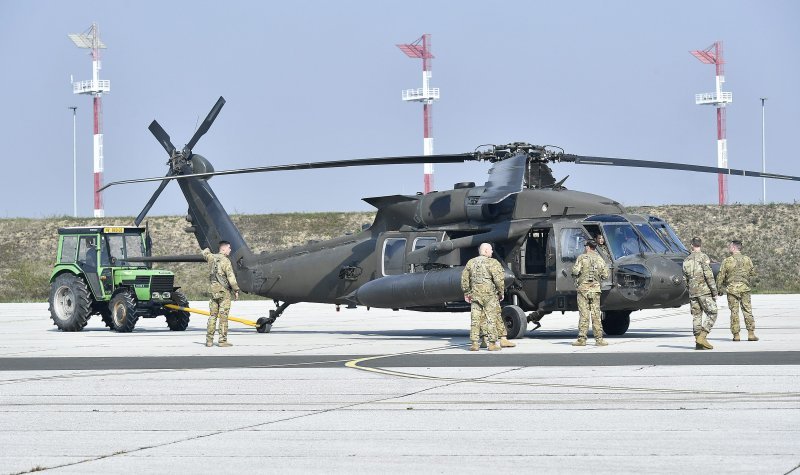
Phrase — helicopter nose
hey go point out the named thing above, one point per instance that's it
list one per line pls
(656, 282)
(633, 281)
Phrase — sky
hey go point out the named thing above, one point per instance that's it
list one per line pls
(314, 81)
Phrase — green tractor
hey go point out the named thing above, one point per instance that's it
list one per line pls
(96, 273)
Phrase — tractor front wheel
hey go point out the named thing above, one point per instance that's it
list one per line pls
(123, 311)
(178, 320)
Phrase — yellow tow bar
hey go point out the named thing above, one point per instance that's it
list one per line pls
(261, 325)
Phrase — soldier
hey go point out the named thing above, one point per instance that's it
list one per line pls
(483, 287)
(702, 292)
(222, 281)
(602, 248)
(589, 270)
(734, 278)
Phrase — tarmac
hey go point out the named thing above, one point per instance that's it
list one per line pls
(366, 391)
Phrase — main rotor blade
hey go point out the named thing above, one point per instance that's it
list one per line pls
(212, 115)
(162, 136)
(164, 183)
(624, 162)
(410, 160)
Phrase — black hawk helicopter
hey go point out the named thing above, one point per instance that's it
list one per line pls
(412, 255)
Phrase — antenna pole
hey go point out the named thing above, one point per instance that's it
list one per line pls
(90, 39)
(421, 49)
(713, 55)
(74, 163)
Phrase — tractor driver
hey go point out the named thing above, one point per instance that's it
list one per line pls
(222, 281)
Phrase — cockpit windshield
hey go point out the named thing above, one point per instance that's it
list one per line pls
(652, 238)
(668, 235)
(624, 241)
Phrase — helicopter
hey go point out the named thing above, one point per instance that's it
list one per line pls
(412, 255)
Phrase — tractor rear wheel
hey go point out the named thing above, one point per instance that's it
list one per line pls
(123, 311)
(70, 303)
(178, 320)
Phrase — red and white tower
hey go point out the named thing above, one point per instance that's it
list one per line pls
(90, 39)
(421, 48)
(713, 55)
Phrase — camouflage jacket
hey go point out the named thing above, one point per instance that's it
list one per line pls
(482, 276)
(220, 272)
(699, 278)
(602, 249)
(589, 270)
(736, 274)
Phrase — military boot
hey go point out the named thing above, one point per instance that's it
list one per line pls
(579, 342)
(751, 335)
(474, 346)
(224, 344)
(493, 346)
(736, 337)
(703, 341)
(209, 343)
(600, 342)
(505, 343)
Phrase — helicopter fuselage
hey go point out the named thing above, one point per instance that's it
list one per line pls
(412, 255)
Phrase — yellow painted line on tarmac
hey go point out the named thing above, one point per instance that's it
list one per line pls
(356, 364)
(207, 313)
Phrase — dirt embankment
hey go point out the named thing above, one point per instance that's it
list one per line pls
(770, 233)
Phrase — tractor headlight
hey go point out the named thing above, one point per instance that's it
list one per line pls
(165, 295)
(156, 296)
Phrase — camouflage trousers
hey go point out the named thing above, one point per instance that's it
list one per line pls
(219, 306)
(484, 317)
(589, 304)
(704, 303)
(743, 300)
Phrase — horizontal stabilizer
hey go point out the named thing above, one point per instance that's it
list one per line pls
(383, 201)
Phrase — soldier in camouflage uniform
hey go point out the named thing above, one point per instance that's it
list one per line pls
(602, 247)
(589, 270)
(702, 293)
(483, 287)
(734, 279)
(222, 281)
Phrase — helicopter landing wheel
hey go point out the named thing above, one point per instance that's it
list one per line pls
(515, 320)
(616, 322)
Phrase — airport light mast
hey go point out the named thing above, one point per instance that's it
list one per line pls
(421, 49)
(713, 55)
(90, 39)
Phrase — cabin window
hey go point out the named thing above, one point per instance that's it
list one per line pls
(573, 242)
(536, 251)
(421, 242)
(69, 247)
(394, 256)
